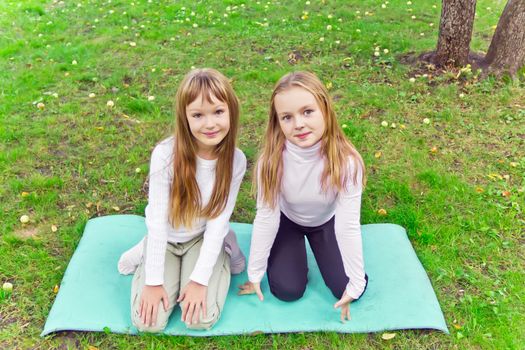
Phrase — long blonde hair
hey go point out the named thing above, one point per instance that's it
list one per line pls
(186, 201)
(335, 148)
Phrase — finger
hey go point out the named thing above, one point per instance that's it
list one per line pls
(165, 301)
(192, 312)
(344, 300)
(144, 312)
(189, 315)
(244, 287)
(345, 297)
(149, 310)
(343, 311)
(348, 313)
(245, 292)
(181, 297)
(196, 314)
(259, 293)
(150, 315)
(184, 311)
(154, 314)
(204, 309)
(140, 308)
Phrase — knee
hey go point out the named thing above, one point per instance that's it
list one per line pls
(205, 323)
(157, 328)
(287, 291)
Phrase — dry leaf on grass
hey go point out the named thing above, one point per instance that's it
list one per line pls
(382, 212)
(388, 336)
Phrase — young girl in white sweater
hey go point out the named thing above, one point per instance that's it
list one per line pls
(309, 183)
(195, 176)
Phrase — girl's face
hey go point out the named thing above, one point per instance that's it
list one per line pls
(209, 123)
(300, 116)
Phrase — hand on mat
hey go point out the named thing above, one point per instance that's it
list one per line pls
(344, 304)
(251, 288)
(149, 304)
(193, 299)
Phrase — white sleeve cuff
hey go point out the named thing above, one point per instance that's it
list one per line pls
(354, 291)
(255, 277)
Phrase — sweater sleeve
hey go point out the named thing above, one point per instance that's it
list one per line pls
(348, 233)
(265, 227)
(157, 213)
(217, 228)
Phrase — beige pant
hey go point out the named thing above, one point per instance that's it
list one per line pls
(180, 261)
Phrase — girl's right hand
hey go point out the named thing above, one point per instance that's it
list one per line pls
(251, 288)
(149, 304)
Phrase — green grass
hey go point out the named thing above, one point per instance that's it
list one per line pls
(462, 204)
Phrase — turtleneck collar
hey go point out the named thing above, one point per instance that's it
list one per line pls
(308, 154)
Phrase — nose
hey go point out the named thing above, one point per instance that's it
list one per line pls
(209, 123)
(299, 122)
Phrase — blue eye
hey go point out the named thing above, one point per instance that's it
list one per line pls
(286, 117)
(308, 111)
(197, 115)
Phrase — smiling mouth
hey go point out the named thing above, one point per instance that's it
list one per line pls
(211, 134)
(303, 136)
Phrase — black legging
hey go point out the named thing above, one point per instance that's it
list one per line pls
(287, 265)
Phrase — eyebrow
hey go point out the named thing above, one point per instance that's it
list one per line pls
(306, 106)
(198, 109)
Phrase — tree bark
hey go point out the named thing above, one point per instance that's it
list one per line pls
(506, 52)
(455, 33)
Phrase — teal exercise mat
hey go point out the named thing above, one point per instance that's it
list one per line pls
(94, 297)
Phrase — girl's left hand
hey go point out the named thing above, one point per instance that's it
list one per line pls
(193, 297)
(344, 304)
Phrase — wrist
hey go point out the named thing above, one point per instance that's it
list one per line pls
(196, 284)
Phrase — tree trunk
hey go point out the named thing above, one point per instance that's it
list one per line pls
(455, 32)
(506, 53)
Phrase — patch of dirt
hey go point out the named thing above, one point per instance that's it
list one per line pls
(409, 58)
(372, 113)
(68, 340)
(457, 164)
(424, 65)
(259, 50)
(58, 153)
(44, 170)
(26, 233)
(5, 320)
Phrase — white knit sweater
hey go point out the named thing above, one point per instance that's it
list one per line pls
(160, 231)
(302, 200)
